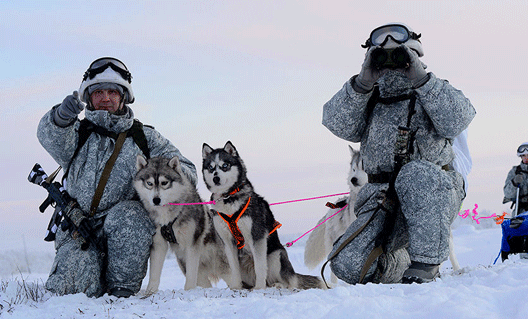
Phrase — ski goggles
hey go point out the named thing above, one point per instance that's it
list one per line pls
(100, 65)
(522, 150)
(397, 32)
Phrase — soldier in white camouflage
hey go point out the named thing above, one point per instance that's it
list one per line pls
(517, 180)
(119, 222)
(406, 120)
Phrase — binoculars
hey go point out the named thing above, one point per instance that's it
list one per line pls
(390, 58)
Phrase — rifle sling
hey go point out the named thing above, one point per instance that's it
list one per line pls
(106, 173)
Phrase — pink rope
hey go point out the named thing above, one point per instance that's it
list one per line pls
(300, 200)
(475, 213)
(204, 203)
(294, 241)
(279, 203)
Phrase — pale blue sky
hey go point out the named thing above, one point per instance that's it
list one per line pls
(256, 73)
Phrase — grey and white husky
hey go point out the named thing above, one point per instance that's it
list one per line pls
(187, 229)
(245, 223)
(321, 240)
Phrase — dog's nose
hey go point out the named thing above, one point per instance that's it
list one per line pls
(156, 201)
(216, 180)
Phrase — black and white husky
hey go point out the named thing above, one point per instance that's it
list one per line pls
(245, 223)
(187, 229)
(321, 240)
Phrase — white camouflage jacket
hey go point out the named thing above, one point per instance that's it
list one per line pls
(87, 167)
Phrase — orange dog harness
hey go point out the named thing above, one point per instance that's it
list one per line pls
(232, 223)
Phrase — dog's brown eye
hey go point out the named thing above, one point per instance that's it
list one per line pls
(164, 183)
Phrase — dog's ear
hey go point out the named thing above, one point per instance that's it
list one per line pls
(141, 162)
(230, 149)
(352, 151)
(174, 163)
(206, 150)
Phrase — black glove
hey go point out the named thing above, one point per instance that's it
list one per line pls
(67, 112)
(517, 180)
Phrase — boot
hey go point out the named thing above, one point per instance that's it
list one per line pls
(420, 273)
(121, 292)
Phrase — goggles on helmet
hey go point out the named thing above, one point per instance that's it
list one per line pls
(397, 32)
(100, 65)
(522, 150)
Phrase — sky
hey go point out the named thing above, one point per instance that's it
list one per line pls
(257, 74)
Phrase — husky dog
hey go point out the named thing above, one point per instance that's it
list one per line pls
(321, 240)
(187, 229)
(245, 223)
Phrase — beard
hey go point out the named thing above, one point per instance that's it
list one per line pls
(394, 83)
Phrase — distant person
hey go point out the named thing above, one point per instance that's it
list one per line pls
(406, 120)
(118, 263)
(517, 180)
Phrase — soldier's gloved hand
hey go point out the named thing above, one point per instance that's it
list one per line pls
(415, 72)
(67, 112)
(368, 74)
(517, 180)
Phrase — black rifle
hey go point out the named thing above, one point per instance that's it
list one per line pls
(67, 208)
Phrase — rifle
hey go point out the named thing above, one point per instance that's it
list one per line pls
(66, 207)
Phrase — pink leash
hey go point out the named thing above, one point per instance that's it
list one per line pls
(185, 204)
(300, 200)
(293, 242)
(279, 203)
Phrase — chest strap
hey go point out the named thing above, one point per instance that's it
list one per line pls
(167, 232)
(232, 223)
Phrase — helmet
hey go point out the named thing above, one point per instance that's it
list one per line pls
(398, 33)
(523, 149)
(107, 70)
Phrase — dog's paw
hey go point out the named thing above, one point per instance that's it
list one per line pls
(149, 292)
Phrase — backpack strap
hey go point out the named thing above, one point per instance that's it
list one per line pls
(519, 170)
(138, 134)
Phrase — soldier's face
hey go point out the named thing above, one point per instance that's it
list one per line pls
(108, 100)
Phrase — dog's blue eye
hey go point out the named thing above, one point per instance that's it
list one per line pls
(225, 167)
(211, 168)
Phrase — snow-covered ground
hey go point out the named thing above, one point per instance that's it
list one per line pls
(481, 289)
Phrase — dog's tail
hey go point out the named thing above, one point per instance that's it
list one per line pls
(307, 282)
(314, 250)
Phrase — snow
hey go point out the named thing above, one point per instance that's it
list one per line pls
(481, 289)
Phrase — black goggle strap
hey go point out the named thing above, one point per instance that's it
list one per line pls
(91, 72)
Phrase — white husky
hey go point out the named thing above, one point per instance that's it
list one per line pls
(321, 240)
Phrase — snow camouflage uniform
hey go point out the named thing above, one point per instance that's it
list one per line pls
(123, 222)
(429, 191)
(510, 190)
